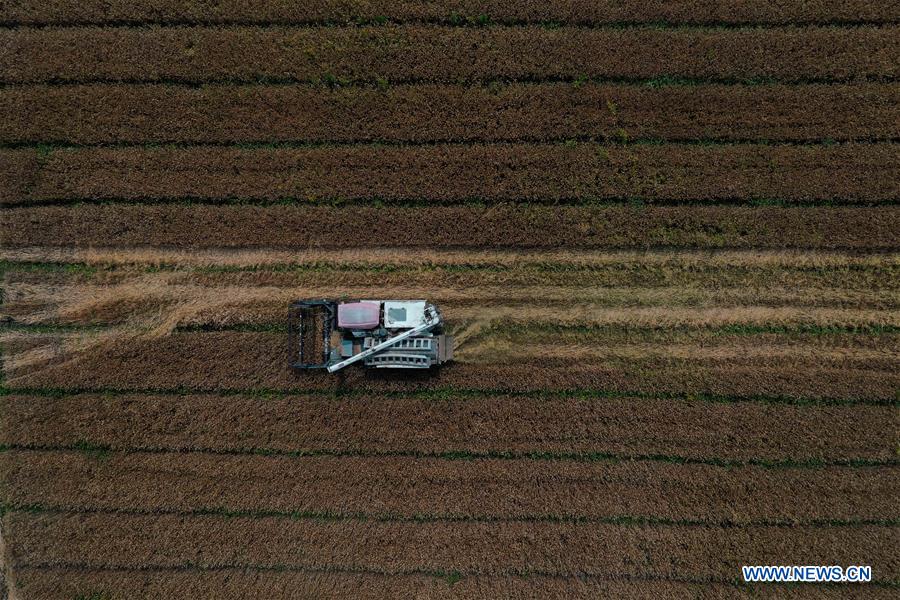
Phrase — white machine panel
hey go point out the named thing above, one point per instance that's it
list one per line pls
(404, 314)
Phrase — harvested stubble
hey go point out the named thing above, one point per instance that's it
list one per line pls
(223, 299)
(230, 360)
(615, 551)
(579, 270)
(428, 113)
(230, 306)
(443, 54)
(483, 423)
(673, 294)
(492, 173)
(502, 226)
(431, 488)
(583, 12)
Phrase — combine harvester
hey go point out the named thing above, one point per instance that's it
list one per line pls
(396, 334)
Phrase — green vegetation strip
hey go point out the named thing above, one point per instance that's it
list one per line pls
(624, 520)
(102, 451)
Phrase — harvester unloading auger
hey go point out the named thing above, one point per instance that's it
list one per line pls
(400, 334)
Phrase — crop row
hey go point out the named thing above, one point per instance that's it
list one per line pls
(338, 56)
(65, 583)
(385, 261)
(469, 423)
(552, 111)
(236, 360)
(505, 226)
(426, 489)
(454, 12)
(434, 174)
(693, 553)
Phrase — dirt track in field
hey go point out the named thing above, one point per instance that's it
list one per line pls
(440, 54)
(432, 113)
(491, 173)
(664, 236)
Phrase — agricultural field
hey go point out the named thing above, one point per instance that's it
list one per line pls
(665, 237)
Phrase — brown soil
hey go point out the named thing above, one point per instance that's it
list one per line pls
(497, 11)
(454, 227)
(616, 551)
(230, 360)
(477, 424)
(432, 53)
(426, 488)
(539, 173)
(429, 113)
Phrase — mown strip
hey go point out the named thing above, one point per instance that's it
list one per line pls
(610, 316)
(610, 325)
(428, 53)
(487, 548)
(454, 12)
(107, 295)
(385, 261)
(519, 330)
(497, 227)
(448, 174)
(100, 114)
(483, 258)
